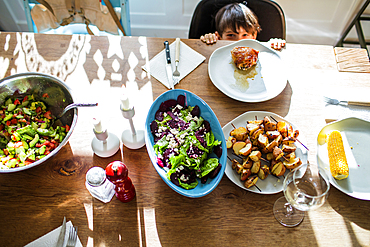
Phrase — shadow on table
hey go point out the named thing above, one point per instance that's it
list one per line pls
(227, 216)
(353, 210)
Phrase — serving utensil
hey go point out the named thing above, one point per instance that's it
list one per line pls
(337, 102)
(75, 105)
(176, 73)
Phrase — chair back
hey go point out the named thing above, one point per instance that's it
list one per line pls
(270, 17)
(106, 16)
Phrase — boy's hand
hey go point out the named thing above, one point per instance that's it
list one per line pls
(277, 44)
(209, 38)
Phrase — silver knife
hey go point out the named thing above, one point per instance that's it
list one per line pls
(62, 234)
(168, 64)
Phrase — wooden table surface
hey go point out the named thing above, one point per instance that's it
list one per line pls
(34, 201)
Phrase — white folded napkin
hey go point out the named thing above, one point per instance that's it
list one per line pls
(188, 61)
(337, 112)
(50, 239)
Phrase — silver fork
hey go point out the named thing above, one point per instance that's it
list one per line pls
(72, 238)
(337, 102)
(333, 101)
(176, 73)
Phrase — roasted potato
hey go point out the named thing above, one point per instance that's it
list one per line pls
(238, 145)
(263, 172)
(246, 150)
(289, 148)
(252, 128)
(247, 163)
(234, 163)
(251, 181)
(255, 155)
(263, 141)
(240, 134)
(230, 142)
(292, 163)
(245, 174)
(269, 126)
(256, 166)
(278, 153)
(278, 169)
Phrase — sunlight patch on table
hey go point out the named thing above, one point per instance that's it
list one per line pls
(361, 235)
(151, 232)
(89, 214)
(114, 43)
(139, 228)
(325, 237)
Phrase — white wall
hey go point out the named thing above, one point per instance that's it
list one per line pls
(308, 21)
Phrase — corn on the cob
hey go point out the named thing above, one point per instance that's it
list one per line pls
(337, 157)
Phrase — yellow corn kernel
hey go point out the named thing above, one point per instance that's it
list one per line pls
(337, 157)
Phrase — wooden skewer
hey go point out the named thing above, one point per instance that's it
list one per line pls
(258, 188)
(265, 160)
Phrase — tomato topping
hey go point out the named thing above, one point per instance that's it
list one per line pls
(45, 95)
(48, 115)
(38, 109)
(7, 123)
(16, 102)
(27, 162)
(14, 121)
(67, 127)
(25, 98)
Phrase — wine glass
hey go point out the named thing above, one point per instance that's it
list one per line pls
(303, 191)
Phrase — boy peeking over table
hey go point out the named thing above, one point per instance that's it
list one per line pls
(236, 21)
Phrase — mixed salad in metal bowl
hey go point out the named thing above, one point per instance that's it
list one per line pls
(29, 132)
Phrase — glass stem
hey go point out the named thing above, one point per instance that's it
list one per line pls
(289, 209)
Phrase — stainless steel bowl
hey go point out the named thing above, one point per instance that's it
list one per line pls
(59, 98)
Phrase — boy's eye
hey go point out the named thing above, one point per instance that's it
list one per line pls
(230, 35)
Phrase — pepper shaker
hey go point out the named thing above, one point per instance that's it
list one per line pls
(117, 173)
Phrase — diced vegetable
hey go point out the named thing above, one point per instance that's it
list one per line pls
(26, 134)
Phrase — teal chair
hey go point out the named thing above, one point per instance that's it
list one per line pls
(80, 28)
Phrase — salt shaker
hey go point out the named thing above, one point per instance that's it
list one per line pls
(98, 185)
(117, 173)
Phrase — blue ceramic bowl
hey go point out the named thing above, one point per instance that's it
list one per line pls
(207, 114)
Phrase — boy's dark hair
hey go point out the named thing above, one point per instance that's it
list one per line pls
(234, 16)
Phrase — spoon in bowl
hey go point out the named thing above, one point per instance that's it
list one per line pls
(75, 105)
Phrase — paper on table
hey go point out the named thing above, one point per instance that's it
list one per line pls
(337, 112)
(189, 60)
(50, 239)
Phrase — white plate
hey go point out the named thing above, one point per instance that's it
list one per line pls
(271, 184)
(267, 84)
(356, 134)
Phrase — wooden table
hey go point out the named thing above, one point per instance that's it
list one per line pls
(33, 202)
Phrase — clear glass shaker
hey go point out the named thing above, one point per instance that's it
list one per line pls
(98, 185)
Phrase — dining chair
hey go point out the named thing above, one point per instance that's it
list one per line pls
(270, 17)
(78, 27)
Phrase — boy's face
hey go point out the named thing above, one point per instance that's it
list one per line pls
(240, 34)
